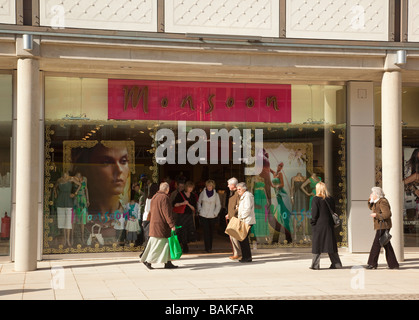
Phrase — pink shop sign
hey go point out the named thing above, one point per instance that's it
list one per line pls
(198, 101)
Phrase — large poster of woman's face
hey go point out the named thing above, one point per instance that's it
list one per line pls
(411, 180)
(100, 190)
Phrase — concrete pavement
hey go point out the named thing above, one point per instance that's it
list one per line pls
(273, 274)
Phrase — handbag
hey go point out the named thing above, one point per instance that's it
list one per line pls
(180, 209)
(336, 220)
(384, 237)
(174, 246)
(98, 236)
(237, 228)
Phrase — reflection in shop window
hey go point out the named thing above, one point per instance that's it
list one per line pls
(296, 156)
(410, 140)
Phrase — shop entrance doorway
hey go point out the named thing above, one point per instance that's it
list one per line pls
(176, 175)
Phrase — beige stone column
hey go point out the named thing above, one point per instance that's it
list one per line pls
(27, 165)
(329, 97)
(391, 135)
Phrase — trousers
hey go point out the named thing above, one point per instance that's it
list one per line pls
(208, 228)
(245, 248)
(237, 251)
(334, 259)
(375, 252)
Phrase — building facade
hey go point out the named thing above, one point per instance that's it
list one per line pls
(280, 94)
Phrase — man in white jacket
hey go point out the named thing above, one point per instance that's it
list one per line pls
(247, 214)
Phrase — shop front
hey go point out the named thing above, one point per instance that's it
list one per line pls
(410, 157)
(108, 140)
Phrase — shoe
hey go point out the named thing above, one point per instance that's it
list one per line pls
(314, 268)
(148, 265)
(394, 268)
(370, 267)
(337, 266)
(234, 257)
(246, 260)
(170, 265)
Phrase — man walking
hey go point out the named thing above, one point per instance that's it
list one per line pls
(161, 223)
(232, 211)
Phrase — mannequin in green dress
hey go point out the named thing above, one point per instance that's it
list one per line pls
(312, 182)
(282, 197)
(273, 222)
(81, 203)
(299, 202)
(261, 228)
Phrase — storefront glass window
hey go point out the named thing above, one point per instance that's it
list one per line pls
(410, 141)
(6, 105)
(102, 157)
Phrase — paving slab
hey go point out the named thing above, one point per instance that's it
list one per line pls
(273, 275)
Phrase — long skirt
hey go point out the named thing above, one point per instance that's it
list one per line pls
(157, 251)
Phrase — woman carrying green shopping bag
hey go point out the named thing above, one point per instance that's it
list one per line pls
(162, 224)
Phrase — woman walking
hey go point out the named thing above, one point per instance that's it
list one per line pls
(381, 215)
(324, 240)
(161, 225)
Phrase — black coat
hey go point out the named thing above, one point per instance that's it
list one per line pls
(324, 240)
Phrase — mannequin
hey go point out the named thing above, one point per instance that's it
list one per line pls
(273, 222)
(261, 228)
(284, 203)
(132, 226)
(312, 181)
(299, 202)
(81, 203)
(65, 202)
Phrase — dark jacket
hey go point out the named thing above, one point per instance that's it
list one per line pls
(181, 197)
(324, 240)
(382, 209)
(161, 217)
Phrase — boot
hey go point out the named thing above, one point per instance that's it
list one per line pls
(148, 265)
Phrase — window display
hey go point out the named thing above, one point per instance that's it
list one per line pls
(411, 197)
(410, 141)
(101, 162)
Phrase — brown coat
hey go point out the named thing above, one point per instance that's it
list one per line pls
(161, 216)
(233, 202)
(382, 209)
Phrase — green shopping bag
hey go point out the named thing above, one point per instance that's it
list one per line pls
(175, 248)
